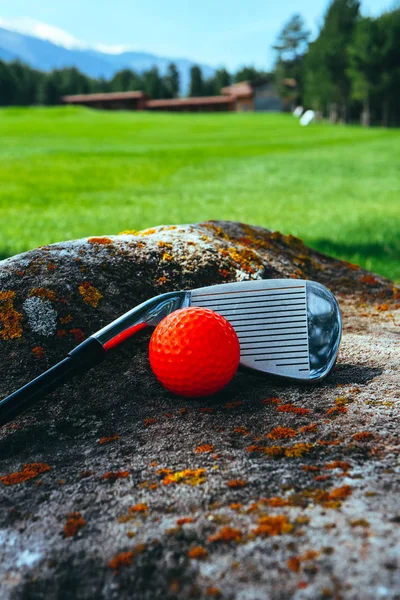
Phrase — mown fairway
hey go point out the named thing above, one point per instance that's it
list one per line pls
(67, 173)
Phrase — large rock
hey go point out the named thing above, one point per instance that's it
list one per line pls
(130, 492)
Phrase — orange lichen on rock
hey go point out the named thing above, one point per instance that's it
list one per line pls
(309, 428)
(167, 256)
(90, 294)
(184, 520)
(279, 433)
(340, 493)
(293, 564)
(103, 241)
(207, 410)
(382, 307)
(65, 320)
(124, 559)
(39, 352)
(363, 436)
(227, 534)
(277, 501)
(290, 408)
(272, 525)
(141, 507)
(369, 280)
(30, 471)
(234, 404)
(187, 476)
(78, 334)
(149, 421)
(9, 317)
(197, 552)
(74, 523)
(204, 449)
(241, 430)
(271, 401)
(43, 293)
(236, 483)
(236, 506)
(107, 440)
(115, 475)
(338, 464)
(335, 410)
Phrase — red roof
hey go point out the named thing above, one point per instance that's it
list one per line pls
(175, 102)
(238, 90)
(103, 97)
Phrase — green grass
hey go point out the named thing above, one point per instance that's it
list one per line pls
(72, 172)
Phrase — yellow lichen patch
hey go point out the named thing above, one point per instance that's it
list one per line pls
(279, 433)
(74, 523)
(269, 525)
(227, 534)
(30, 471)
(197, 552)
(104, 241)
(164, 244)
(10, 318)
(145, 232)
(298, 450)
(204, 449)
(187, 476)
(167, 256)
(90, 294)
(129, 232)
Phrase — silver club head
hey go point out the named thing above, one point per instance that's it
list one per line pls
(286, 327)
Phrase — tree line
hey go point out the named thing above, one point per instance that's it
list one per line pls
(351, 70)
(20, 85)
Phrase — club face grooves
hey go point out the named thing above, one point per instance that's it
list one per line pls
(289, 328)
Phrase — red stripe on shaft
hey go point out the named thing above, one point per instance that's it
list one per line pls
(124, 335)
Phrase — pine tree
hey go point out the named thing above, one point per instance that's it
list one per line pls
(196, 82)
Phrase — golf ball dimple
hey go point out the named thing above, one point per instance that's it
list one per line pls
(194, 352)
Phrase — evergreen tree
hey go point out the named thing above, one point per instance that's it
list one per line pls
(126, 81)
(291, 46)
(171, 81)
(365, 58)
(196, 82)
(329, 56)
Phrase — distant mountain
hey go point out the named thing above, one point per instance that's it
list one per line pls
(45, 56)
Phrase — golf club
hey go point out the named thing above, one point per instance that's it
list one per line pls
(286, 327)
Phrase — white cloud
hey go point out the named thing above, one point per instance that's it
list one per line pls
(42, 31)
(57, 36)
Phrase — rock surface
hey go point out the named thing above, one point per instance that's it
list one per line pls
(268, 490)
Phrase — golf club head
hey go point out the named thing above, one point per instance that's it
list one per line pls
(286, 327)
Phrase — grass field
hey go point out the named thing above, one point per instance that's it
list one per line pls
(67, 173)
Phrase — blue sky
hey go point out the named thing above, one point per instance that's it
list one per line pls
(214, 32)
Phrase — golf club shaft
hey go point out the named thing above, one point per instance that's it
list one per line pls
(81, 359)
